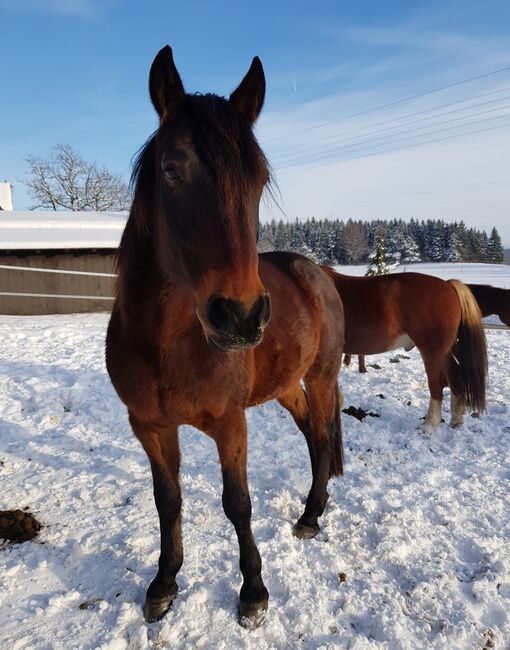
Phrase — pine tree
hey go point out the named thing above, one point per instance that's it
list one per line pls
(378, 265)
(308, 252)
(410, 252)
(393, 243)
(453, 245)
(495, 250)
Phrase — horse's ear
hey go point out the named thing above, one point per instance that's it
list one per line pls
(165, 85)
(248, 97)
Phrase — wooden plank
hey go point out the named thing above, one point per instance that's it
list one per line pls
(36, 282)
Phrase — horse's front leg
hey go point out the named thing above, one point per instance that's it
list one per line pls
(230, 435)
(326, 449)
(162, 448)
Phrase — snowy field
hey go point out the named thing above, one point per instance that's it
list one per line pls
(414, 550)
(496, 274)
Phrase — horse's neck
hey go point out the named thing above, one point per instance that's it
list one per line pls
(501, 297)
(153, 301)
(491, 300)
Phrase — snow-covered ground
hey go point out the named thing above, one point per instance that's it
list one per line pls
(414, 550)
(496, 274)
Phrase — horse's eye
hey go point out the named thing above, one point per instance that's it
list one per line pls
(171, 174)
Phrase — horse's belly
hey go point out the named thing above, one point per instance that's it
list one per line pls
(374, 343)
(403, 341)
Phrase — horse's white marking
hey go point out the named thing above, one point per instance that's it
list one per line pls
(433, 417)
(403, 341)
(458, 409)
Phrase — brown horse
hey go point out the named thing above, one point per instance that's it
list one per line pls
(492, 300)
(412, 309)
(202, 327)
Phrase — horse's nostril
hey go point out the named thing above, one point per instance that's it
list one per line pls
(232, 318)
(220, 314)
(266, 311)
(261, 311)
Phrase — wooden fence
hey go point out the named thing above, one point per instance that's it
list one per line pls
(61, 283)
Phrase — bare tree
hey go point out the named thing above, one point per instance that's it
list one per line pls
(354, 243)
(65, 181)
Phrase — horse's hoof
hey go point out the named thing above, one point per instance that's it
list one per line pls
(252, 615)
(302, 531)
(155, 608)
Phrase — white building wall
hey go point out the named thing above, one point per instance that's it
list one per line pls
(5, 196)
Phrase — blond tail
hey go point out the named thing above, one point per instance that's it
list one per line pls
(467, 366)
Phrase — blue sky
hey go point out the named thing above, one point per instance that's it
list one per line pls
(76, 72)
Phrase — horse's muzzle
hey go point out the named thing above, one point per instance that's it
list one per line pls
(234, 327)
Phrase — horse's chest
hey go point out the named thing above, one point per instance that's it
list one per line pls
(193, 389)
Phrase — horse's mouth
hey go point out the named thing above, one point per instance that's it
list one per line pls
(233, 342)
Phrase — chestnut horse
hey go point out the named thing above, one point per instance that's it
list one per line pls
(492, 300)
(441, 318)
(202, 327)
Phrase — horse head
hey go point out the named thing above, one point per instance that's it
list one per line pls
(205, 179)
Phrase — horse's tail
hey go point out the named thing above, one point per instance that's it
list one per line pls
(467, 365)
(336, 467)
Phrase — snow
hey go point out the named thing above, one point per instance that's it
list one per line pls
(414, 548)
(471, 273)
(43, 230)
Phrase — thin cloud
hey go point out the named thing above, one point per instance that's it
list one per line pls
(73, 8)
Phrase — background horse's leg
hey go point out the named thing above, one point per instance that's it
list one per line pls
(162, 448)
(296, 402)
(434, 361)
(457, 408)
(324, 404)
(361, 363)
(230, 435)
(347, 359)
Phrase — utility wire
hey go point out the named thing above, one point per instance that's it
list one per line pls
(389, 104)
(298, 148)
(296, 167)
(335, 147)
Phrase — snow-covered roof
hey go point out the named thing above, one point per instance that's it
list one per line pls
(31, 230)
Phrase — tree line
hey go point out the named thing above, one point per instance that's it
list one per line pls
(333, 241)
(64, 180)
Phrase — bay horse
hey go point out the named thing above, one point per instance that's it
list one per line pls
(492, 300)
(203, 327)
(441, 318)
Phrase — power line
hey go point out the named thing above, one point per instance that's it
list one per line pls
(293, 168)
(337, 146)
(298, 147)
(389, 104)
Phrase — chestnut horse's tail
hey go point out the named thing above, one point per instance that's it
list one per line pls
(467, 366)
(336, 467)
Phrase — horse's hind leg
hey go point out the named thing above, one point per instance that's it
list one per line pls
(230, 435)
(326, 449)
(296, 402)
(458, 409)
(434, 362)
(162, 449)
